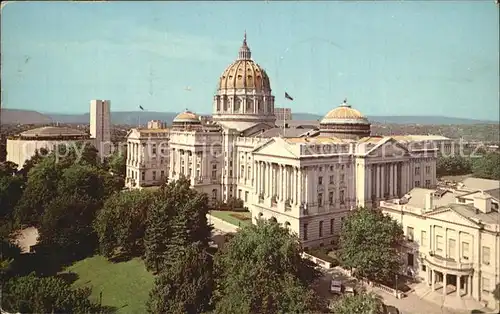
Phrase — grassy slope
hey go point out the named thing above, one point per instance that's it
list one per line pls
(226, 216)
(125, 286)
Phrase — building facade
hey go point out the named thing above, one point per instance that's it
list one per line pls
(309, 178)
(453, 240)
(100, 125)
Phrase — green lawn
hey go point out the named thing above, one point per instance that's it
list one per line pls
(234, 218)
(125, 286)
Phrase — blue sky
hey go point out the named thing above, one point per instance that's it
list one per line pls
(387, 58)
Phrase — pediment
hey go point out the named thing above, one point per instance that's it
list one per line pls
(449, 215)
(133, 133)
(388, 148)
(276, 147)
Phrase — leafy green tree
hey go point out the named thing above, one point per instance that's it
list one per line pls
(487, 166)
(177, 218)
(121, 223)
(453, 165)
(8, 168)
(66, 227)
(11, 190)
(9, 252)
(369, 243)
(261, 271)
(118, 163)
(368, 303)
(33, 161)
(185, 286)
(31, 294)
(41, 189)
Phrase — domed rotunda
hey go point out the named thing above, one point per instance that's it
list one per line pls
(345, 122)
(244, 92)
(186, 120)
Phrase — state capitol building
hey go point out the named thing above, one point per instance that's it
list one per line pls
(306, 177)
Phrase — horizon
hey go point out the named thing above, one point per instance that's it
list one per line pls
(151, 54)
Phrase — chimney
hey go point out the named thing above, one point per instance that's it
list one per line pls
(428, 201)
(482, 202)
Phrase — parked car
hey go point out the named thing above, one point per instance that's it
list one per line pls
(336, 287)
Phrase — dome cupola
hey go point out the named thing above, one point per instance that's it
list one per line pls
(186, 120)
(345, 122)
(244, 91)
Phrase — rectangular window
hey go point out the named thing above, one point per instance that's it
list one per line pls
(427, 183)
(427, 169)
(320, 199)
(305, 231)
(342, 177)
(154, 175)
(439, 245)
(162, 174)
(331, 179)
(246, 196)
(409, 234)
(332, 224)
(330, 198)
(486, 255)
(320, 229)
(143, 176)
(242, 172)
(423, 238)
(486, 285)
(341, 222)
(214, 174)
(465, 250)
(417, 184)
(451, 248)
(341, 196)
(320, 180)
(417, 170)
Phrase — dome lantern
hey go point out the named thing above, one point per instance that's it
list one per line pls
(245, 53)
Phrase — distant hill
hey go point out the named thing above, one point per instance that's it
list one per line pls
(17, 116)
(425, 120)
(141, 117)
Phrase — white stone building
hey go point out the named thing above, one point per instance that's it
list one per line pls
(453, 239)
(308, 179)
(23, 146)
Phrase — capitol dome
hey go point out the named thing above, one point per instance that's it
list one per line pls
(244, 92)
(53, 132)
(345, 122)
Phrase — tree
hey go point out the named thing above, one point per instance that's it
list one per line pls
(177, 219)
(185, 286)
(40, 190)
(453, 165)
(118, 163)
(261, 271)
(33, 161)
(487, 166)
(66, 227)
(121, 223)
(368, 303)
(31, 294)
(8, 168)
(11, 190)
(369, 243)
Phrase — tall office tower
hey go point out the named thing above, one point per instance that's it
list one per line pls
(100, 123)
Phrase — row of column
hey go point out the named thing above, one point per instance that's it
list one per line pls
(176, 165)
(258, 105)
(388, 179)
(445, 283)
(135, 153)
(282, 181)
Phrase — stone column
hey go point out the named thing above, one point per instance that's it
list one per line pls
(444, 284)
(287, 183)
(268, 173)
(396, 180)
(469, 285)
(299, 186)
(391, 179)
(307, 184)
(368, 193)
(382, 181)
(295, 188)
(433, 280)
(378, 179)
(458, 286)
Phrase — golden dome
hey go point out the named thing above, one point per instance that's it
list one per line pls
(186, 117)
(344, 114)
(244, 73)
